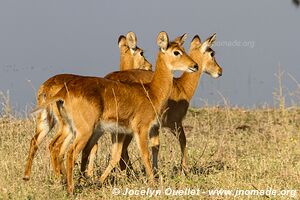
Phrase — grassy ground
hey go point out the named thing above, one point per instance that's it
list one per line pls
(228, 148)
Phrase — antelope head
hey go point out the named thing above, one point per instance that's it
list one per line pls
(174, 54)
(131, 56)
(205, 56)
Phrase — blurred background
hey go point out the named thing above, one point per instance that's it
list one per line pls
(256, 41)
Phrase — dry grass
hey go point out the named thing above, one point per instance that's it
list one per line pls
(228, 148)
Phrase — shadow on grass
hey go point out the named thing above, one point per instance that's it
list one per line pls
(117, 177)
(212, 167)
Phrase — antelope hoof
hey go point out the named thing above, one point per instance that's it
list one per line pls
(70, 190)
(26, 178)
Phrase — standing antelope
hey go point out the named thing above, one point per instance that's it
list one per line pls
(176, 108)
(90, 106)
(131, 57)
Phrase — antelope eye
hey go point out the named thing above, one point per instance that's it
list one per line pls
(142, 53)
(176, 53)
(212, 54)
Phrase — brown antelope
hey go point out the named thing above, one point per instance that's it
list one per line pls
(131, 57)
(176, 108)
(90, 106)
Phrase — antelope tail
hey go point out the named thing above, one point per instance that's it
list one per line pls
(44, 105)
(58, 97)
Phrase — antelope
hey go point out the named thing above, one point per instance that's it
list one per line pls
(91, 106)
(177, 105)
(131, 57)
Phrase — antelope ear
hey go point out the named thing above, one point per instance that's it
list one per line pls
(131, 40)
(208, 42)
(121, 41)
(196, 42)
(212, 38)
(163, 40)
(180, 40)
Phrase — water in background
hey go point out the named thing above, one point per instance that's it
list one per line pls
(254, 40)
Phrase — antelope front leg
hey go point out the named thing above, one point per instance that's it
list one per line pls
(178, 131)
(154, 141)
(92, 156)
(124, 161)
(89, 154)
(87, 159)
(118, 140)
(142, 142)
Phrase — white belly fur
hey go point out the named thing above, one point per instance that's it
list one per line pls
(113, 127)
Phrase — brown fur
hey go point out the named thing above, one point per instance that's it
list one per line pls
(94, 105)
(130, 58)
(176, 108)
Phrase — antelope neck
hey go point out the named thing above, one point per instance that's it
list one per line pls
(189, 81)
(161, 84)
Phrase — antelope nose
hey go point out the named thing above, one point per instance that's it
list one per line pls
(220, 72)
(196, 67)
